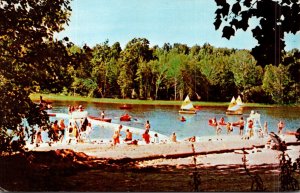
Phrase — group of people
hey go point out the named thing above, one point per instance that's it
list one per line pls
(71, 109)
(58, 131)
(146, 137)
(252, 125)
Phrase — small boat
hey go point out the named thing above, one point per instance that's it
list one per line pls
(125, 117)
(100, 119)
(235, 107)
(182, 119)
(198, 107)
(187, 106)
(125, 106)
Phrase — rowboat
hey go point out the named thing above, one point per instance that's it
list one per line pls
(100, 119)
(125, 117)
(187, 106)
(125, 106)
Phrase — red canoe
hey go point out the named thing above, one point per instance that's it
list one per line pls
(125, 117)
(126, 107)
(100, 119)
(198, 107)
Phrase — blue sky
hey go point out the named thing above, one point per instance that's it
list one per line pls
(160, 21)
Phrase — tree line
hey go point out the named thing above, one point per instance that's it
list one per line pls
(171, 72)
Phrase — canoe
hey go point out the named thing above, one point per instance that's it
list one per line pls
(126, 107)
(51, 114)
(100, 119)
(198, 107)
(187, 111)
(125, 117)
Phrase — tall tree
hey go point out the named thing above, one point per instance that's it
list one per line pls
(272, 19)
(29, 58)
(137, 50)
(277, 83)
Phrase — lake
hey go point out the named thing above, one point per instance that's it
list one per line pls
(166, 119)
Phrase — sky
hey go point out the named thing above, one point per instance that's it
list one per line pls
(159, 21)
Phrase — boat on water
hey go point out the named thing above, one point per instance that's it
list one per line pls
(125, 117)
(235, 107)
(125, 106)
(187, 106)
(100, 119)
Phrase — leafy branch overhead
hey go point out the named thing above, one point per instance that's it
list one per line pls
(271, 19)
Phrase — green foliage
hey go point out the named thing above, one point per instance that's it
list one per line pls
(277, 83)
(272, 19)
(30, 59)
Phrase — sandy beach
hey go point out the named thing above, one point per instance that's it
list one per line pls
(210, 150)
(99, 166)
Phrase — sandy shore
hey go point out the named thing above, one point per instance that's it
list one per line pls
(210, 151)
(152, 167)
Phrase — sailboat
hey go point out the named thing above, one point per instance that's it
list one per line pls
(187, 106)
(235, 107)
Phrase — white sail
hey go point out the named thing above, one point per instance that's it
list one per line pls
(239, 101)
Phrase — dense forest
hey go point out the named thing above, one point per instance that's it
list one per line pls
(170, 72)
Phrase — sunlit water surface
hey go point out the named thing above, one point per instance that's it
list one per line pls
(166, 119)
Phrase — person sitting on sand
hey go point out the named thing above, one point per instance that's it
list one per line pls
(156, 139)
(173, 137)
(128, 135)
(146, 136)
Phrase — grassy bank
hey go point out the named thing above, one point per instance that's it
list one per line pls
(58, 97)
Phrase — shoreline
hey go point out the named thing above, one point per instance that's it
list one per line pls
(207, 146)
(57, 97)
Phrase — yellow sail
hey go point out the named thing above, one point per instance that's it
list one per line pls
(187, 106)
(232, 103)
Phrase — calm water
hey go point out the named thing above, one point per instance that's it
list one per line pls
(165, 119)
